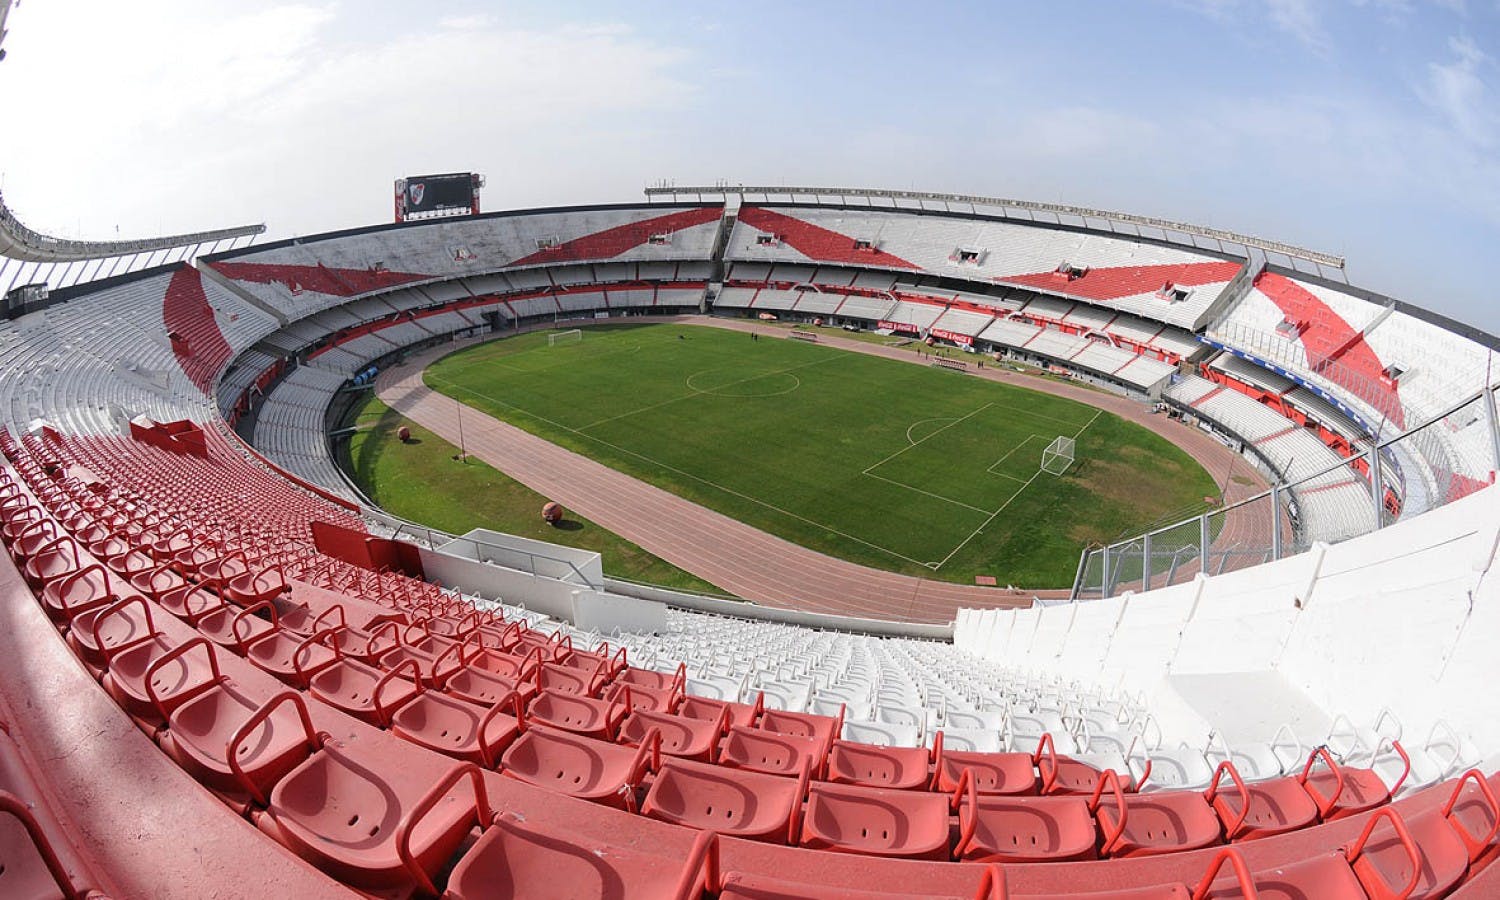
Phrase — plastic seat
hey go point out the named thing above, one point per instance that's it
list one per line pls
(587, 716)
(459, 729)
(236, 629)
(1440, 863)
(435, 669)
(742, 714)
(1263, 808)
(132, 562)
(291, 657)
(249, 587)
(974, 740)
(1341, 791)
(156, 581)
(578, 766)
(771, 753)
(517, 860)
(365, 692)
(992, 773)
(729, 801)
(680, 736)
(90, 587)
(822, 728)
(151, 678)
(370, 824)
(1344, 874)
(1474, 814)
(1019, 829)
(899, 768)
(748, 886)
(486, 688)
(655, 699)
(570, 680)
(876, 821)
(103, 631)
(228, 743)
(1152, 824)
(52, 561)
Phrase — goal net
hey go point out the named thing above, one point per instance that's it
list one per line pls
(572, 336)
(1058, 456)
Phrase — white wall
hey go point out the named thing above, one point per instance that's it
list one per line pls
(1406, 618)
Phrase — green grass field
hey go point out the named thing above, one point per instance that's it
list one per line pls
(422, 481)
(884, 463)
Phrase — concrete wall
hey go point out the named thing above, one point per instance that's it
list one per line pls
(1403, 618)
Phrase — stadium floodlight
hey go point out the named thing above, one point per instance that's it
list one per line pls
(1058, 456)
(571, 336)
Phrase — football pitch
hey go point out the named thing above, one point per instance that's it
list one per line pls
(892, 465)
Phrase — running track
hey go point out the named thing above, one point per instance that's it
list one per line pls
(746, 561)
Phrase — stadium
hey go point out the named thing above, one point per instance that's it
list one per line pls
(944, 546)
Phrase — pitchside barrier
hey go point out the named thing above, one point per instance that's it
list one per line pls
(953, 364)
(799, 335)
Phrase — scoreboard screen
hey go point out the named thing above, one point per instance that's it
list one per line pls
(421, 196)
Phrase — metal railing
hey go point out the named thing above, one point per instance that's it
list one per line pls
(1454, 454)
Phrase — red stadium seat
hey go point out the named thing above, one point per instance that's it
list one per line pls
(876, 821)
(746, 886)
(772, 753)
(233, 746)
(237, 629)
(587, 716)
(570, 679)
(730, 801)
(249, 587)
(991, 773)
(365, 692)
(370, 824)
(519, 860)
(680, 736)
(103, 631)
(1022, 829)
(901, 768)
(291, 657)
(90, 587)
(742, 714)
(1474, 814)
(151, 678)
(1262, 808)
(1341, 791)
(579, 766)
(1344, 874)
(821, 728)
(460, 729)
(1150, 824)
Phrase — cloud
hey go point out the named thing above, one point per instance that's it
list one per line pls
(1301, 20)
(1456, 90)
(281, 114)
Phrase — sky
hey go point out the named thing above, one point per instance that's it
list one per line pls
(1368, 128)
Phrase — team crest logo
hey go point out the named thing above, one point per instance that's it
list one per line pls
(416, 189)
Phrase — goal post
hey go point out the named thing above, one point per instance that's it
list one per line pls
(571, 336)
(1058, 456)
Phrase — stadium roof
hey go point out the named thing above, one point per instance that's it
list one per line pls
(1029, 206)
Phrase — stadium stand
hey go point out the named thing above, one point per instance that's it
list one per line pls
(274, 663)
